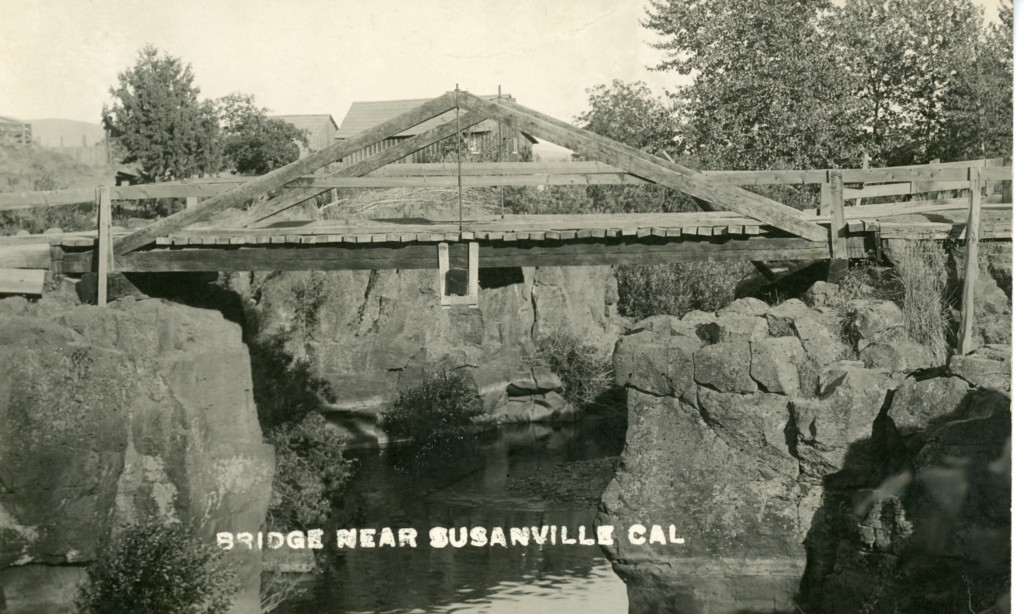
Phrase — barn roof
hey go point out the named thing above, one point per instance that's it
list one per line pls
(363, 115)
(312, 122)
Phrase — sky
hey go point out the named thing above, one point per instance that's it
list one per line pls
(59, 58)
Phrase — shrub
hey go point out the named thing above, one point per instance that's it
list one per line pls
(444, 404)
(311, 471)
(677, 288)
(585, 371)
(151, 568)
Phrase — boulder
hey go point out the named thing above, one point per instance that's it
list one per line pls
(852, 398)
(822, 294)
(141, 410)
(986, 367)
(898, 355)
(724, 367)
(775, 363)
(872, 320)
(655, 364)
(745, 306)
(917, 405)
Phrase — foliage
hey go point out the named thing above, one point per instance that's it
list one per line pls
(284, 388)
(253, 143)
(764, 91)
(630, 114)
(914, 63)
(444, 404)
(149, 568)
(677, 288)
(311, 470)
(585, 370)
(158, 120)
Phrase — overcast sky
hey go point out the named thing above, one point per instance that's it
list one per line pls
(59, 58)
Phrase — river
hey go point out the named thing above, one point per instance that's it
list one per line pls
(517, 476)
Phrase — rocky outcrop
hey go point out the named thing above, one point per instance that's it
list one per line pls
(369, 334)
(804, 464)
(136, 411)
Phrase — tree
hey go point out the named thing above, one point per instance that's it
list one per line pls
(630, 114)
(158, 121)
(995, 85)
(765, 91)
(915, 64)
(253, 143)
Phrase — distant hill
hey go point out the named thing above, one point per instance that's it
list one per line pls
(34, 168)
(50, 132)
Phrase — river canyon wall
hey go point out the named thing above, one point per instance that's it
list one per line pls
(370, 334)
(138, 411)
(811, 454)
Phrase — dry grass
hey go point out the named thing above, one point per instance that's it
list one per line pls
(920, 267)
(585, 370)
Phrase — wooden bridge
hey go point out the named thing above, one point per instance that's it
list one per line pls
(735, 223)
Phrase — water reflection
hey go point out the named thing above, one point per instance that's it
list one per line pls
(488, 481)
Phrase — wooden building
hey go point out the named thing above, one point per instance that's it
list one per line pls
(487, 141)
(14, 131)
(320, 130)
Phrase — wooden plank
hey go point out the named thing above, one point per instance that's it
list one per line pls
(396, 152)
(28, 256)
(103, 244)
(899, 174)
(239, 195)
(470, 169)
(448, 181)
(766, 177)
(22, 281)
(370, 256)
(191, 201)
(997, 173)
(638, 163)
(839, 263)
(965, 343)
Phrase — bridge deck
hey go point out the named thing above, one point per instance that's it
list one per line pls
(519, 240)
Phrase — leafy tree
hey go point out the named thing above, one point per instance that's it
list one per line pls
(764, 92)
(995, 85)
(253, 143)
(630, 114)
(915, 64)
(158, 121)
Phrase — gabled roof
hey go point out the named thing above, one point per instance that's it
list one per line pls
(311, 122)
(363, 115)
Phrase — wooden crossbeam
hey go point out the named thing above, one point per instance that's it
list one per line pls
(365, 166)
(497, 168)
(649, 167)
(585, 179)
(278, 177)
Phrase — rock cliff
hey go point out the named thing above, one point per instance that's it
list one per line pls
(807, 454)
(369, 334)
(139, 410)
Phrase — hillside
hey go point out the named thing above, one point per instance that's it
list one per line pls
(36, 168)
(54, 132)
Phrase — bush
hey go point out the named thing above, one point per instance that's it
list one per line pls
(444, 404)
(311, 472)
(677, 288)
(153, 568)
(585, 371)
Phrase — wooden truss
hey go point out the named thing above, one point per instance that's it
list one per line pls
(626, 165)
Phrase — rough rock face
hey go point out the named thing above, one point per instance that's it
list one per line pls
(785, 461)
(140, 410)
(371, 333)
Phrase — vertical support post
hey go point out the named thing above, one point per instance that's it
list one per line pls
(104, 246)
(839, 264)
(191, 201)
(824, 201)
(442, 271)
(474, 273)
(964, 341)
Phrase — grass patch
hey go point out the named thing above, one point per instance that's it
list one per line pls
(153, 567)
(920, 267)
(585, 371)
(677, 288)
